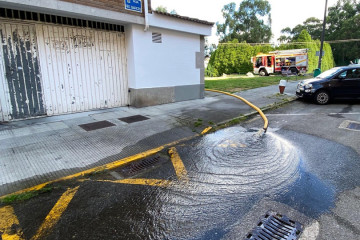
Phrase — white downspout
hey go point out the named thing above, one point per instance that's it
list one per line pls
(146, 11)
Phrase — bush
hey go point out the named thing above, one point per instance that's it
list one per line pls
(235, 57)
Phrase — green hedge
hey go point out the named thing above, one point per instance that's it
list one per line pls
(236, 57)
(233, 58)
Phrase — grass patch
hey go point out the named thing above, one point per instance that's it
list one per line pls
(198, 123)
(234, 84)
(24, 196)
(232, 122)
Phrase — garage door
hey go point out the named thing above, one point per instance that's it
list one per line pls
(20, 82)
(82, 69)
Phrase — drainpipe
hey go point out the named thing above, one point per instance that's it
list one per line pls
(146, 6)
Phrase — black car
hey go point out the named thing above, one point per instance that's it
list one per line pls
(338, 82)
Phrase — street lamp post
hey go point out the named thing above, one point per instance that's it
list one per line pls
(322, 36)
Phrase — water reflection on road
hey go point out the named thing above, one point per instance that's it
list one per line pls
(232, 168)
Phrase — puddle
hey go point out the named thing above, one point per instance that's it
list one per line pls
(233, 168)
(229, 172)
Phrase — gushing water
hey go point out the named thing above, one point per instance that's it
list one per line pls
(230, 168)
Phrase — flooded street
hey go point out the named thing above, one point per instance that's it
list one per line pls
(212, 187)
(230, 169)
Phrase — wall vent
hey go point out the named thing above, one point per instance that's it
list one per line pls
(156, 38)
(47, 18)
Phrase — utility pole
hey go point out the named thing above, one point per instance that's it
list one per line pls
(322, 36)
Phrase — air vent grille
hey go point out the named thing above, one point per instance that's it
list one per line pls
(47, 18)
(156, 38)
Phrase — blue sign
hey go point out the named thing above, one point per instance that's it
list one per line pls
(133, 5)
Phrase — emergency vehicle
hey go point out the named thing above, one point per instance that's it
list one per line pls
(293, 61)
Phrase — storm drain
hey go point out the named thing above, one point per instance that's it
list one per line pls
(139, 166)
(132, 119)
(96, 125)
(275, 226)
(350, 125)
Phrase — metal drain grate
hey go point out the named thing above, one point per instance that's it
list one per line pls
(96, 125)
(275, 226)
(132, 119)
(350, 125)
(140, 166)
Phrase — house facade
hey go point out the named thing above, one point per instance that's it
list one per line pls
(66, 56)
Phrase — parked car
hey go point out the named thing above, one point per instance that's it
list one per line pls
(338, 82)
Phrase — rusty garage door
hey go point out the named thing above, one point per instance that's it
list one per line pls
(21, 94)
(82, 68)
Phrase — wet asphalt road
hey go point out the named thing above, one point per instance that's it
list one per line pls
(305, 167)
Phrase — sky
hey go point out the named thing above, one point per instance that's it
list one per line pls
(284, 13)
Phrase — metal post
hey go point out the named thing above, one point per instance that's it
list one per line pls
(322, 36)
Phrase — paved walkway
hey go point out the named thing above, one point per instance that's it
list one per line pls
(40, 150)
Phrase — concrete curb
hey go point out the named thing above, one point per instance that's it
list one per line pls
(264, 109)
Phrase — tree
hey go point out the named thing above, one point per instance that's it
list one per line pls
(250, 23)
(161, 9)
(312, 25)
(164, 10)
(344, 23)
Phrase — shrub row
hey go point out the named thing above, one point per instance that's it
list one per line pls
(235, 57)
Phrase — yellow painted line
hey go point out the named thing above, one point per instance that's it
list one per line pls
(109, 166)
(301, 61)
(142, 181)
(206, 130)
(8, 221)
(178, 165)
(55, 213)
(266, 122)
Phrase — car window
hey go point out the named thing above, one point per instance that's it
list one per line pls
(342, 75)
(353, 73)
(350, 74)
(328, 73)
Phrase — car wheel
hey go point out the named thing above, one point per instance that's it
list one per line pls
(262, 73)
(322, 97)
(294, 71)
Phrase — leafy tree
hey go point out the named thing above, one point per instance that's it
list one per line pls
(250, 23)
(164, 10)
(234, 57)
(161, 9)
(312, 25)
(304, 36)
(344, 23)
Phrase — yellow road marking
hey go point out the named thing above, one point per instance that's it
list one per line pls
(9, 225)
(54, 215)
(178, 165)
(142, 181)
(206, 130)
(108, 166)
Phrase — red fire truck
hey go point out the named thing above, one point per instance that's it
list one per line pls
(286, 62)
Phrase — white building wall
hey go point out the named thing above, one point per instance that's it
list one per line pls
(167, 64)
(173, 23)
(129, 39)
